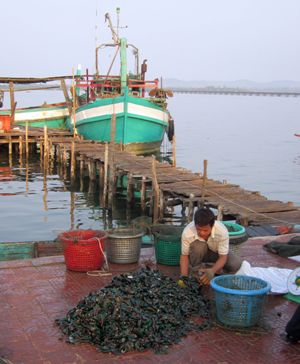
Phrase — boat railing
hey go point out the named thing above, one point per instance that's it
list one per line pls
(112, 84)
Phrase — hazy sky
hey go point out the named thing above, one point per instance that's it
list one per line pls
(189, 40)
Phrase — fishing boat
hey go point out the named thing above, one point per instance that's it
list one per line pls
(140, 121)
(51, 115)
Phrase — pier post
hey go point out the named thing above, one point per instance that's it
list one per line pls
(26, 140)
(243, 220)
(46, 146)
(220, 213)
(204, 182)
(9, 146)
(191, 207)
(92, 188)
(81, 172)
(73, 161)
(174, 150)
(100, 168)
(101, 175)
(155, 189)
(91, 168)
(20, 147)
(67, 98)
(13, 104)
(21, 151)
(51, 152)
(105, 173)
(161, 204)
(143, 194)
(129, 191)
(72, 210)
(65, 160)
(111, 184)
(26, 177)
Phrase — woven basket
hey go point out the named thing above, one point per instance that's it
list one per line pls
(167, 243)
(239, 299)
(124, 246)
(237, 235)
(83, 249)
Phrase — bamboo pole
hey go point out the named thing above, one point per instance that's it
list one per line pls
(204, 182)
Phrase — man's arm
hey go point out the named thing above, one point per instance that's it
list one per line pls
(184, 265)
(219, 264)
(209, 273)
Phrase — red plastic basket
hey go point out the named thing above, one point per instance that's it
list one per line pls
(82, 250)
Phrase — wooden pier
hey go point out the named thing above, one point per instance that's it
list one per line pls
(160, 186)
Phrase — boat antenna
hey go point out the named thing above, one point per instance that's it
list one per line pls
(115, 32)
(115, 36)
(118, 20)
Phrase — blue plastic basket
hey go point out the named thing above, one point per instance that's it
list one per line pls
(239, 299)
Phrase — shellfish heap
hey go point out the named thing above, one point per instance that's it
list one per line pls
(137, 311)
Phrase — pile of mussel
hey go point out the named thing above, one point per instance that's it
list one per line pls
(138, 311)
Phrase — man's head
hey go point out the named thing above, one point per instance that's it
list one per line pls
(204, 220)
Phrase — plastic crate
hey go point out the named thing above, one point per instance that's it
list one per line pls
(167, 243)
(239, 299)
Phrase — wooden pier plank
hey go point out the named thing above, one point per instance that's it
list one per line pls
(177, 184)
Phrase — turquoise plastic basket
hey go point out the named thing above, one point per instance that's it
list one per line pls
(239, 299)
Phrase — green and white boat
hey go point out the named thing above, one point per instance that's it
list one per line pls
(141, 122)
(51, 115)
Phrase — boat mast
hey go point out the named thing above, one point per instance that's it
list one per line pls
(123, 53)
(123, 50)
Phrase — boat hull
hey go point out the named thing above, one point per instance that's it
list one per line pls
(140, 124)
(52, 115)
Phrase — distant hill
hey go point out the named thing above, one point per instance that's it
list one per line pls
(278, 85)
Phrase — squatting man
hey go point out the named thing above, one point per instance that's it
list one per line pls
(206, 240)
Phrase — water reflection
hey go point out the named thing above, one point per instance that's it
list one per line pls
(38, 201)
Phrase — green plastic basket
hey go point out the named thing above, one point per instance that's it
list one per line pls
(167, 242)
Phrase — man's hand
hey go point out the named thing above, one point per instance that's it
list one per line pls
(181, 283)
(206, 277)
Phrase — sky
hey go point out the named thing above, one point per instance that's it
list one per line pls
(224, 40)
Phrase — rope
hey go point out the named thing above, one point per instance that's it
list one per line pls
(102, 272)
(250, 210)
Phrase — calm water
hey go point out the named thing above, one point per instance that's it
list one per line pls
(247, 140)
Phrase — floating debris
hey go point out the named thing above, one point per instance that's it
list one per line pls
(137, 311)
